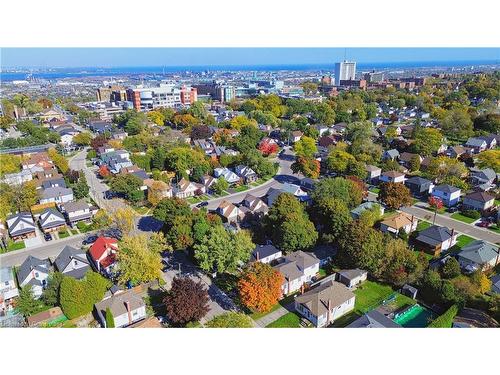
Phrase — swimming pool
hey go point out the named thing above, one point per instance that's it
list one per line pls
(414, 316)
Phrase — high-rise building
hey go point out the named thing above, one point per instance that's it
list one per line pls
(163, 95)
(374, 77)
(345, 71)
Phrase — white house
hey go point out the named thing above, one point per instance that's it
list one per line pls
(8, 290)
(56, 194)
(392, 176)
(266, 253)
(186, 189)
(478, 201)
(351, 278)
(298, 268)
(72, 262)
(33, 273)
(450, 195)
(126, 308)
(325, 303)
(478, 255)
(399, 222)
(228, 211)
(228, 175)
(77, 211)
(17, 178)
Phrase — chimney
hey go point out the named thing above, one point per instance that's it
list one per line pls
(129, 313)
(302, 289)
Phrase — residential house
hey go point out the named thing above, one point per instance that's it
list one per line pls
(495, 284)
(67, 133)
(478, 255)
(392, 176)
(56, 194)
(352, 278)
(356, 212)
(207, 181)
(296, 136)
(491, 140)
(325, 303)
(228, 212)
(103, 254)
(246, 173)
(409, 291)
(457, 151)
(483, 176)
(325, 253)
(100, 127)
(322, 129)
(298, 268)
(374, 319)
(450, 195)
(33, 273)
(163, 189)
(478, 201)
(477, 144)
(373, 174)
(229, 176)
(72, 262)
(49, 114)
(436, 239)
(56, 181)
(51, 220)
(39, 159)
(419, 187)
(185, 189)
(308, 183)
(406, 158)
(21, 225)
(273, 193)
(390, 154)
(253, 207)
(18, 178)
(397, 222)
(125, 307)
(79, 211)
(8, 290)
(327, 141)
(265, 254)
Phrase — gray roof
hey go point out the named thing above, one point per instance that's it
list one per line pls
(264, 251)
(54, 192)
(495, 283)
(373, 319)
(46, 214)
(76, 206)
(316, 299)
(392, 153)
(475, 142)
(363, 207)
(31, 263)
(487, 173)
(6, 274)
(66, 256)
(434, 235)
(352, 274)
(117, 303)
(141, 174)
(416, 180)
(446, 188)
(479, 196)
(53, 182)
(479, 252)
(293, 265)
(23, 218)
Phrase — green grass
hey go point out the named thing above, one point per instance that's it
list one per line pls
(241, 188)
(13, 246)
(423, 225)
(64, 234)
(495, 228)
(370, 295)
(322, 273)
(84, 228)
(285, 301)
(345, 320)
(141, 210)
(289, 320)
(463, 218)
(374, 190)
(462, 240)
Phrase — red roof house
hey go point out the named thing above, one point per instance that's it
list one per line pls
(103, 253)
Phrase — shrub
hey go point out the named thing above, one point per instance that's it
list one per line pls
(473, 214)
(445, 320)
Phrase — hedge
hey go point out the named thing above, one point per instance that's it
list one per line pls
(445, 320)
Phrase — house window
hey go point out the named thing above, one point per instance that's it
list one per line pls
(75, 263)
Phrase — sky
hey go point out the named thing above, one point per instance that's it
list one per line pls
(130, 57)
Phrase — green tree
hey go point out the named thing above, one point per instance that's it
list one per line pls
(333, 216)
(126, 184)
(110, 320)
(338, 160)
(50, 295)
(489, 159)
(220, 185)
(457, 123)
(221, 251)
(451, 269)
(395, 195)
(427, 141)
(415, 163)
(339, 188)
(82, 139)
(305, 147)
(27, 305)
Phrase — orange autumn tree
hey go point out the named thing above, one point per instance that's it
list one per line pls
(260, 287)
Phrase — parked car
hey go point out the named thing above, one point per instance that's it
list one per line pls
(89, 240)
(483, 224)
(47, 237)
(453, 209)
(202, 204)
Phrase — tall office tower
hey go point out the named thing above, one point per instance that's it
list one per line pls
(345, 71)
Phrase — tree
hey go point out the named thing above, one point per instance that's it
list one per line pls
(50, 295)
(200, 132)
(260, 287)
(104, 171)
(239, 122)
(98, 141)
(220, 185)
(222, 251)
(305, 147)
(415, 163)
(357, 169)
(338, 160)
(489, 159)
(451, 269)
(59, 161)
(333, 216)
(82, 139)
(178, 221)
(457, 123)
(489, 122)
(187, 301)
(309, 167)
(231, 320)
(77, 297)
(395, 195)
(289, 226)
(110, 320)
(124, 219)
(442, 167)
(435, 203)
(309, 87)
(156, 192)
(181, 160)
(26, 304)
(339, 188)
(126, 184)
(27, 196)
(268, 148)
(481, 281)
(157, 117)
(323, 113)
(9, 164)
(81, 189)
(446, 319)
(427, 141)
(101, 219)
(140, 258)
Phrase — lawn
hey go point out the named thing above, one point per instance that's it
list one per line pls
(241, 188)
(322, 273)
(13, 246)
(289, 320)
(141, 210)
(84, 228)
(370, 295)
(374, 190)
(285, 301)
(495, 228)
(423, 225)
(463, 218)
(462, 240)
(64, 234)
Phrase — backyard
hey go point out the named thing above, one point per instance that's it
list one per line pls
(289, 320)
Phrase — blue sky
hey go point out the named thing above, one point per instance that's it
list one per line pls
(128, 57)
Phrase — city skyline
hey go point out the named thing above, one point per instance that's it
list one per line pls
(179, 57)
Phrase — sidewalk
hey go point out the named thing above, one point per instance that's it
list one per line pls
(275, 315)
